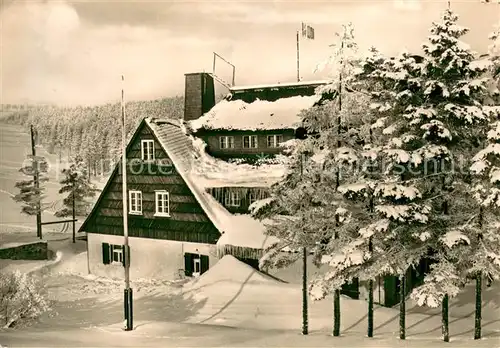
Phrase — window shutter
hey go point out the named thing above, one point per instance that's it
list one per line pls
(126, 255)
(204, 263)
(105, 253)
(188, 264)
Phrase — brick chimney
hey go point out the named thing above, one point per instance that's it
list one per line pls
(199, 95)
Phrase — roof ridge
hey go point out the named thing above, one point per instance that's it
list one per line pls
(159, 121)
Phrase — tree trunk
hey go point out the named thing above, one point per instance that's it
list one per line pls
(402, 307)
(73, 213)
(36, 183)
(444, 319)
(477, 318)
(370, 289)
(479, 276)
(89, 170)
(370, 308)
(336, 313)
(305, 324)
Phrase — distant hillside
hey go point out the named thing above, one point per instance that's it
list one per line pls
(93, 132)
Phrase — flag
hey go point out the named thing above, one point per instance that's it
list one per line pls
(307, 31)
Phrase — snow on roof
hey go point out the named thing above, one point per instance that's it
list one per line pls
(247, 239)
(258, 115)
(240, 234)
(279, 85)
(213, 172)
(480, 64)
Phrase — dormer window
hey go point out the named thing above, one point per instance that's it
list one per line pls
(252, 198)
(232, 199)
(226, 142)
(249, 141)
(274, 141)
(148, 150)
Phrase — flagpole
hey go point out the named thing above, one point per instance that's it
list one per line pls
(298, 58)
(127, 303)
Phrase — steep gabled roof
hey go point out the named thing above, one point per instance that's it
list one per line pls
(245, 233)
(242, 235)
(111, 177)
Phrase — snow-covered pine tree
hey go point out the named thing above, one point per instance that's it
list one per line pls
(76, 185)
(336, 139)
(484, 252)
(31, 190)
(339, 141)
(289, 215)
(448, 126)
(308, 172)
(494, 57)
(384, 206)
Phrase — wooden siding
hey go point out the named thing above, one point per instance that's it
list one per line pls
(187, 222)
(213, 144)
(220, 193)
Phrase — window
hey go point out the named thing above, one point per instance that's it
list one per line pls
(116, 253)
(162, 203)
(274, 140)
(226, 142)
(232, 199)
(112, 253)
(135, 202)
(252, 197)
(249, 141)
(148, 150)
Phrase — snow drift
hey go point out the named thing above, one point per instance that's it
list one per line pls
(230, 269)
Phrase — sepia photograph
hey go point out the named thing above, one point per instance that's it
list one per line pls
(250, 173)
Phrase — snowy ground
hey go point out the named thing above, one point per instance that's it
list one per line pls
(230, 305)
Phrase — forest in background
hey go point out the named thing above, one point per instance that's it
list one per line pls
(93, 132)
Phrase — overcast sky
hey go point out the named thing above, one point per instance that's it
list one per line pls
(74, 52)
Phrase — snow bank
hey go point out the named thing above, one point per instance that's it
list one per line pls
(28, 266)
(213, 172)
(258, 115)
(230, 269)
(16, 244)
(74, 264)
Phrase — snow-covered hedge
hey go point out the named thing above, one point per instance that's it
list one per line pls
(21, 298)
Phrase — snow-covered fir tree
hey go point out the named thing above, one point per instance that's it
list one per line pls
(494, 57)
(307, 194)
(483, 256)
(337, 123)
(77, 188)
(31, 190)
(448, 127)
(381, 203)
(335, 136)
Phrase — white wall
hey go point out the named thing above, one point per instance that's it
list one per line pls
(149, 258)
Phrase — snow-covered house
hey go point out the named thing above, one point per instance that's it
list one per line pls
(175, 226)
(251, 121)
(247, 126)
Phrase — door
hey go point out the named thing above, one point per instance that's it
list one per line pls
(196, 266)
